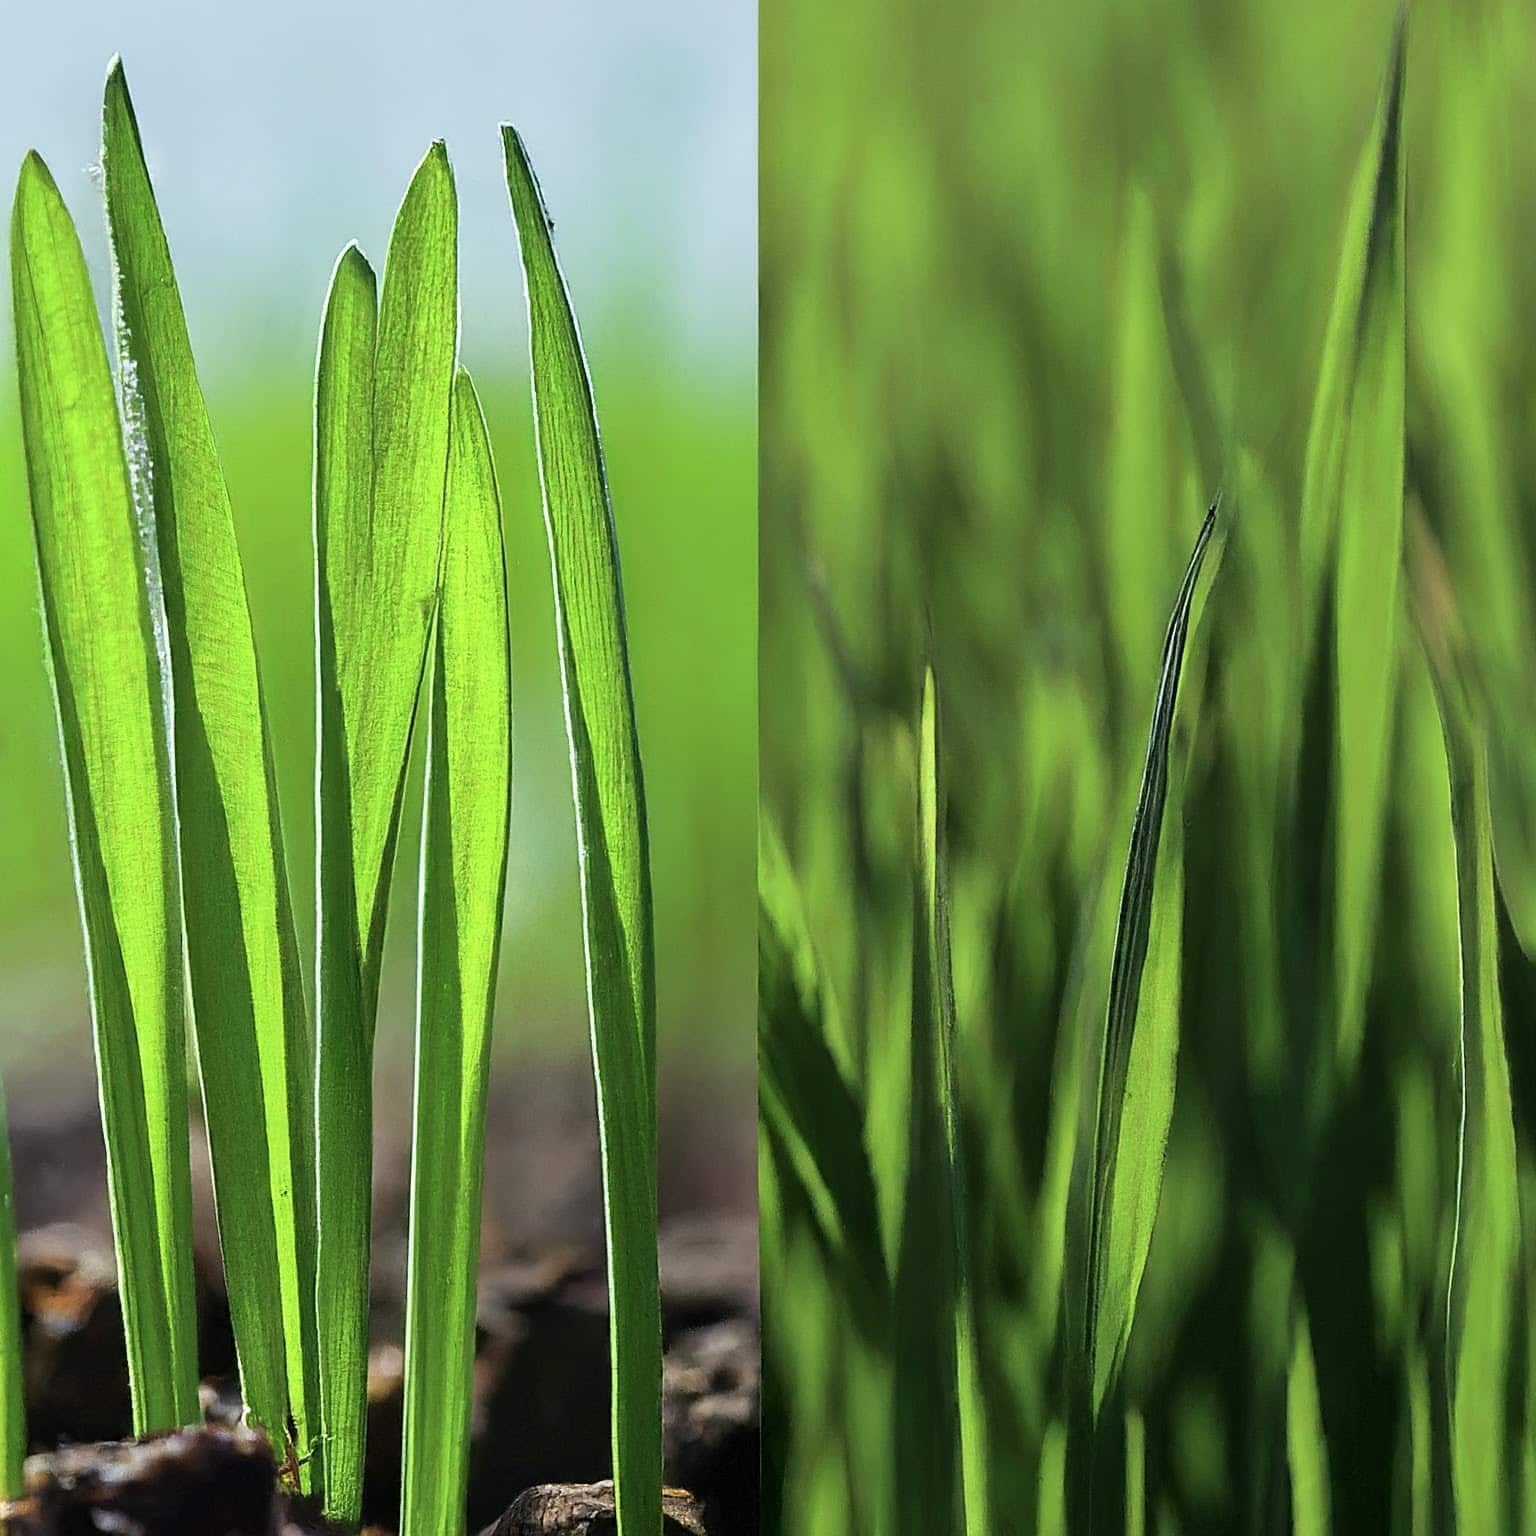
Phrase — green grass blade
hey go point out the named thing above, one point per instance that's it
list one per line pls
(1486, 1245)
(107, 685)
(611, 834)
(1132, 1084)
(13, 1422)
(1306, 1449)
(1135, 1474)
(1352, 506)
(937, 1354)
(253, 1034)
(382, 400)
(463, 881)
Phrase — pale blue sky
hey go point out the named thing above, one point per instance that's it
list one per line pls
(278, 130)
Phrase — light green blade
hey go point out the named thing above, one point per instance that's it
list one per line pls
(939, 1407)
(611, 835)
(382, 393)
(253, 1034)
(1352, 508)
(107, 686)
(1306, 1449)
(1130, 1093)
(1485, 1254)
(13, 1422)
(465, 827)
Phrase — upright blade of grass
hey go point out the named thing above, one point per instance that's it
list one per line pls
(1131, 1090)
(13, 1422)
(107, 687)
(611, 836)
(1135, 1474)
(1352, 506)
(935, 1322)
(382, 402)
(252, 1030)
(1486, 1245)
(1306, 1449)
(465, 825)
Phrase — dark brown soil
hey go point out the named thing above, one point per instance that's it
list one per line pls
(541, 1408)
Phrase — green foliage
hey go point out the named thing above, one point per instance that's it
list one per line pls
(171, 786)
(465, 825)
(1130, 1089)
(107, 679)
(1035, 284)
(1485, 1246)
(254, 1048)
(611, 835)
(382, 391)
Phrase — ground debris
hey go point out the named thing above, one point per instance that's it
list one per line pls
(187, 1482)
(587, 1509)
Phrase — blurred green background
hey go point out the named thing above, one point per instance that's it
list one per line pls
(276, 136)
(1037, 279)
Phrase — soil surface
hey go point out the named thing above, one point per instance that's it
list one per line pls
(541, 1407)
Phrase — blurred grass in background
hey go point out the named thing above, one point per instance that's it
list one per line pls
(1035, 281)
(680, 435)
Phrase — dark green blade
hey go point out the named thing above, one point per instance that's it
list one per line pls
(108, 693)
(381, 451)
(465, 825)
(611, 833)
(253, 1036)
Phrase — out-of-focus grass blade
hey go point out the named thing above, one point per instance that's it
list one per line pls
(1131, 1090)
(1135, 1474)
(807, 1102)
(1485, 1252)
(1352, 508)
(13, 1424)
(107, 685)
(611, 835)
(1306, 1449)
(253, 1037)
(382, 403)
(935, 1217)
(1512, 798)
(465, 827)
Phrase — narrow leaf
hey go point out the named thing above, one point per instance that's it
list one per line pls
(1306, 1450)
(382, 402)
(107, 687)
(611, 837)
(1352, 511)
(253, 1033)
(1131, 1089)
(1486, 1246)
(465, 826)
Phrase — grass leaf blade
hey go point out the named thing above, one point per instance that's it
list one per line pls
(107, 687)
(1132, 1084)
(1483, 1296)
(382, 401)
(464, 868)
(254, 1048)
(611, 830)
(1352, 505)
